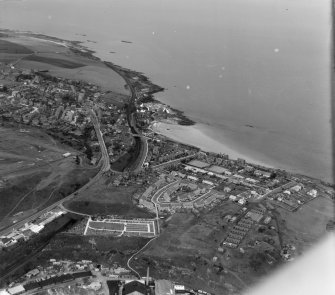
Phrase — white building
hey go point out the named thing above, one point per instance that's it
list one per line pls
(36, 228)
(194, 169)
(192, 178)
(297, 188)
(232, 197)
(251, 180)
(313, 193)
(207, 182)
(242, 201)
(16, 290)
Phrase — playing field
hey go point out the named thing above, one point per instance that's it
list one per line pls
(122, 226)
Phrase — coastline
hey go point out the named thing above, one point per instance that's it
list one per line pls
(195, 135)
(184, 129)
(200, 135)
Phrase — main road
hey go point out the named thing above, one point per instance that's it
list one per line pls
(105, 166)
(131, 110)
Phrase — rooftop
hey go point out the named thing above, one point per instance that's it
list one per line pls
(199, 164)
(217, 169)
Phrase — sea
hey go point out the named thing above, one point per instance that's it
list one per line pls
(253, 74)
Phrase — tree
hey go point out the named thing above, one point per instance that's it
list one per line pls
(273, 175)
(77, 160)
(89, 152)
(92, 242)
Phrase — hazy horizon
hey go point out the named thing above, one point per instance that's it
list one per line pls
(228, 64)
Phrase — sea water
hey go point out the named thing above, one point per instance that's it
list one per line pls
(255, 75)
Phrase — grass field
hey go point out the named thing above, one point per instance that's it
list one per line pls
(33, 172)
(100, 249)
(58, 62)
(304, 227)
(187, 246)
(103, 199)
(10, 47)
(21, 187)
(184, 253)
(106, 225)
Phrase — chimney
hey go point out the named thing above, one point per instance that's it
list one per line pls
(147, 279)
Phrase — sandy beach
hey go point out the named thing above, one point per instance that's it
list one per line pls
(204, 137)
(196, 135)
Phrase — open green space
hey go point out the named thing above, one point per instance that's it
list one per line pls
(188, 246)
(33, 172)
(307, 225)
(104, 199)
(58, 62)
(104, 250)
(97, 208)
(10, 47)
(184, 253)
(21, 188)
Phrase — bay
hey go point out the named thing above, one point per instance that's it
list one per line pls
(254, 75)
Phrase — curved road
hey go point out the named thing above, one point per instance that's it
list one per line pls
(132, 256)
(131, 121)
(105, 166)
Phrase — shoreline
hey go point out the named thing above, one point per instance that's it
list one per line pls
(186, 130)
(193, 136)
(197, 136)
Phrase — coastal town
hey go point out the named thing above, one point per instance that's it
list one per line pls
(241, 202)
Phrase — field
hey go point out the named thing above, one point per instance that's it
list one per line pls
(308, 224)
(185, 249)
(107, 225)
(104, 199)
(188, 247)
(33, 172)
(37, 52)
(68, 64)
(10, 47)
(144, 228)
(71, 289)
(100, 249)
